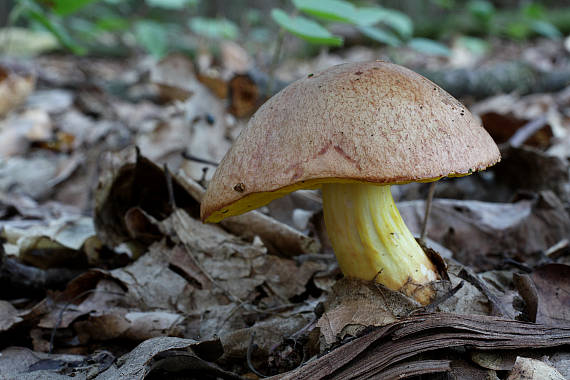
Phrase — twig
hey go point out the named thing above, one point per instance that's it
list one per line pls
(438, 301)
(516, 264)
(527, 130)
(556, 248)
(275, 60)
(169, 186)
(252, 346)
(431, 191)
(191, 157)
(497, 308)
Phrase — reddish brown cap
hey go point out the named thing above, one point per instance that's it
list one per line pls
(357, 122)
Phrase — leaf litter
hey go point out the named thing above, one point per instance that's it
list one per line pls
(106, 271)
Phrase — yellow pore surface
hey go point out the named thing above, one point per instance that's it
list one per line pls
(255, 200)
(370, 238)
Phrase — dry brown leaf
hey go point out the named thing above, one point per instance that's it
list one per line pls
(14, 89)
(528, 169)
(553, 286)
(532, 369)
(278, 237)
(354, 305)
(9, 316)
(496, 360)
(482, 234)
(503, 115)
(168, 355)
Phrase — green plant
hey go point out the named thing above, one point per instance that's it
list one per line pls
(383, 25)
(531, 20)
(81, 26)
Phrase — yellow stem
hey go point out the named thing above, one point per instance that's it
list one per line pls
(371, 241)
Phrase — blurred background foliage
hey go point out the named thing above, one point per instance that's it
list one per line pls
(158, 27)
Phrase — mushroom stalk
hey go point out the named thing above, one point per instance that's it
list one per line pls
(371, 241)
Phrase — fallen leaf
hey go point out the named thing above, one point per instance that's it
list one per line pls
(532, 369)
(8, 316)
(355, 305)
(494, 230)
(553, 285)
(14, 89)
(161, 356)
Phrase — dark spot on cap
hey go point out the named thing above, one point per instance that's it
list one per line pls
(358, 72)
(239, 187)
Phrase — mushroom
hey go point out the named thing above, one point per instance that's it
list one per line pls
(354, 130)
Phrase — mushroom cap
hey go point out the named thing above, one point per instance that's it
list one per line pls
(372, 122)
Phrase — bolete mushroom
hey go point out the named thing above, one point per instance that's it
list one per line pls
(353, 130)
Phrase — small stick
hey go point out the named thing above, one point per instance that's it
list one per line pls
(497, 308)
(438, 301)
(250, 349)
(431, 191)
(191, 157)
(169, 186)
(556, 248)
(527, 130)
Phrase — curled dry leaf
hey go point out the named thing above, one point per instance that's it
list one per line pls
(528, 169)
(278, 237)
(65, 242)
(129, 180)
(481, 234)
(553, 287)
(504, 115)
(14, 89)
(23, 363)
(354, 305)
(154, 357)
(53, 101)
(8, 316)
(532, 369)
(161, 356)
(175, 77)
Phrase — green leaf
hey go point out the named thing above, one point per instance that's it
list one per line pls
(379, 35)
(35, 13)
(67, 7)
(445, 4)
(533, 10)
(518, 30)
(168, 4)
(475, 45)
(214, 28)
(398, 21)
(481, 9)
(427, 46)
(306, 29)
(546, 29)
(112, 23)
(152, 37)
(330, 10)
